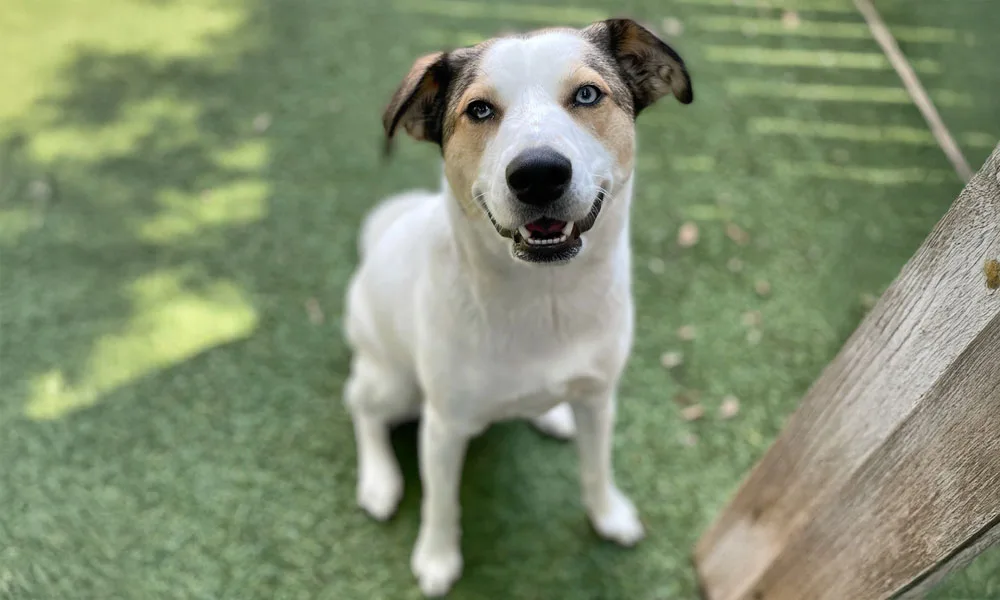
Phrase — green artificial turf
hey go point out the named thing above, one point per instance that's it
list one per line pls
(180, 188)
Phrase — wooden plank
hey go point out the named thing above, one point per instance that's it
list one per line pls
(892, 462)
(961, 559)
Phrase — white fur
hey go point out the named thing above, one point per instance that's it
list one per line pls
(447, 326)
(527, 75)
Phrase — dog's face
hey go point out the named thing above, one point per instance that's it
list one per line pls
(537, 131)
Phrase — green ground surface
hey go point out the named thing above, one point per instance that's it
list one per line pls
(180, 185)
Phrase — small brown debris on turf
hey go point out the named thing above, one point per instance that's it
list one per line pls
(262, 122)
(693, 412)
(737, 234)
(671, 360)
(762, 287)
(689, 440)
(729, 407)
(687, 333)
(687, 397)
(752, 318)
(754, 336)
(992, 271)
(672, 27)
(790, 19)
(314, 311)
(735, 265)
(688, 235)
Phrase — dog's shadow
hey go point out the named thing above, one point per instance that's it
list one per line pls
(520, 500)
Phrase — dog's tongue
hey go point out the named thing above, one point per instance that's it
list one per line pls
(546, 226)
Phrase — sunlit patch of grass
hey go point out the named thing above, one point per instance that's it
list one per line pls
(698, 163)
(15, 222)
(528, 13)
(243, 201)
(184, 216)
(840, 131)
(817, 29)
(835, 6)
(837, 93)
(888, 134)
(118, 137)
(870, 175)
(169, 325)
(794, 57)
(979, 140)
(156, 29)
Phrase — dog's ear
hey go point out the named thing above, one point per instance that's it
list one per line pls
(419, 102)
(651, 68)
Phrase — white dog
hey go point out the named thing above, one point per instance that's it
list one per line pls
(507, 294)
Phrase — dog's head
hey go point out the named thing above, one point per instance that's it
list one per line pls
(537, 130)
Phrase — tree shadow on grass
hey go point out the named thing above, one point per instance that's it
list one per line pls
(182, 229)
(170, 218)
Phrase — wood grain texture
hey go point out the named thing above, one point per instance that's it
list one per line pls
(961, 559)
(891, 464)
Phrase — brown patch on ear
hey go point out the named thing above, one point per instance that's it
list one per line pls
(650, 67)
(418, 103)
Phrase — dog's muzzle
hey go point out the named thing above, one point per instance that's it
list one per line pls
(547, 239)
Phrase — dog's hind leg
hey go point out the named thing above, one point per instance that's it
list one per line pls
(378, 398)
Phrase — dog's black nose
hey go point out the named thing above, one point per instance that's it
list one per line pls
(539, 175)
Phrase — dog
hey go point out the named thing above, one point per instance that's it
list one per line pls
(506, 294)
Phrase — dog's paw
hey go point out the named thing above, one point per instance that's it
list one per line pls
(380, 488)
(558, 422)
(437, 566)
(619, 521)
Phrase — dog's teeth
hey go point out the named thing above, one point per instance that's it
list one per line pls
(545, 241)
(568, 229)
(524, 232)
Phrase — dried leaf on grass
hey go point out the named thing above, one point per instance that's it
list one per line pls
(671, 360)
(693, 412)
(688, 235)
(730, 407)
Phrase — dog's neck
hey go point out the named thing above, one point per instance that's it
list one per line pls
(481, 250)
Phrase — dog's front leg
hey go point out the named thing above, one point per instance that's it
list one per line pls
(611, 512)
(437, 556)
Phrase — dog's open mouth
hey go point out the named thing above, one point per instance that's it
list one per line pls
(548, 239)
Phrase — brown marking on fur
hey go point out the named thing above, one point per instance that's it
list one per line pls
(608, 121)
(422, 98)
(465, 143)
(413, 100)
(606, 66)
(647, 64)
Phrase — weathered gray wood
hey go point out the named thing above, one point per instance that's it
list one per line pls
(919, 588)
(891, 465)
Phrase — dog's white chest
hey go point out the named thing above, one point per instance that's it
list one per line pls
(517, 377)
(533, 398)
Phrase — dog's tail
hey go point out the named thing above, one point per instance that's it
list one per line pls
(385, 214)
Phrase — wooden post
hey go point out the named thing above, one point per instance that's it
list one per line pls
(888, 474)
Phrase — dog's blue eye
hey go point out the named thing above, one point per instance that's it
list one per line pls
(587, 95)
(479, 110)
